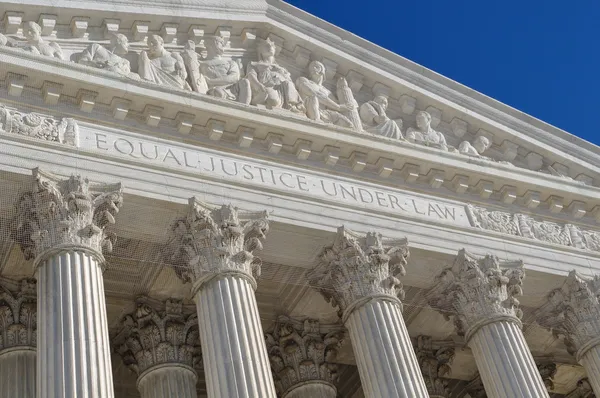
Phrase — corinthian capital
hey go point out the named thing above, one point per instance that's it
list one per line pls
(573, 312)
(213, 240)
(357, 268)
(18, 316)
(58, 213)
(435, 359)
(477, 291)
(158, 334)
(303, 351)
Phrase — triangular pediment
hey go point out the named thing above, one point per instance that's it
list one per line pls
(465, 146)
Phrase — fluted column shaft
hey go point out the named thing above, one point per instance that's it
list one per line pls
(384, 354)
(73, 345)
(590, 360)
(17, 372)
(168, 381)
(231, 335)
(312, 389)
(505, 364)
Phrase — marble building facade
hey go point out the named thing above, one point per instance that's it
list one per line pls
(233, 198)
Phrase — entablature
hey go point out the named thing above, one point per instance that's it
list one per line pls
(103, 98)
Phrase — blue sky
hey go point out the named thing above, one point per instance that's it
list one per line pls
(541, 57)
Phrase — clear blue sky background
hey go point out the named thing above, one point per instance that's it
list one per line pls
(541, 57)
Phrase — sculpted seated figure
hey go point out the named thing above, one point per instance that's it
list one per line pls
(479, 146)
(317, 99)
(110, 59)
(215, 75)
(272, 84)
(162, 67)
(373, 115)
(424, 134)
(37, 45)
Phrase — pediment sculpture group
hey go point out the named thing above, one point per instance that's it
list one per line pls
(263, 82)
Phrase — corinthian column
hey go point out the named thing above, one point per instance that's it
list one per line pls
(301, 356)
(212, 248)
(435, 359)
(160, 344)
(359, 275)
(480, 294)
(60, 224)
(573, 311)
(17, 341)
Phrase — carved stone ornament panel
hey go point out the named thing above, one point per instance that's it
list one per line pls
(301, 351)
(18, 316)
(158, 334)
(212, 240)
(573, 312)
(527, 227)
(548, 371)
(61, 213)
(64, 130)
(357, 268)
(475, 291)
(583, 390)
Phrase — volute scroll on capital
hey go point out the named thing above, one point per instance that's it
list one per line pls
(357, 269)
(59, 214)
(303, 351)
(478, 291)
(216, 240)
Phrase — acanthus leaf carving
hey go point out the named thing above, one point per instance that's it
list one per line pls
(64, 131)
(548, 371)
(301, 351)
(435, 359)
(157, 334)
(213, 240)
(356, 268)
(477, 290)
(58, 212)
(18, 316)
(573, 311)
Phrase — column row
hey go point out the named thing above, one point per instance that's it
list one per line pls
(61, 225)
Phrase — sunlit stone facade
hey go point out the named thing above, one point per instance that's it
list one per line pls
(235, 199)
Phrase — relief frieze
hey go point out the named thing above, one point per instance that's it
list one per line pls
(526, 226)
(43, 127)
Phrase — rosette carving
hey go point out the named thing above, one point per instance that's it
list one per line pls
(476, 290)
(303, 351)
(573, 312)
(151, 337)
(18, 316)
(357, 268)
(213, 240)
(435, 359)
(57, 213)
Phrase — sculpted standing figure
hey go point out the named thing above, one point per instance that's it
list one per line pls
(373, 115)
(424, 134)
(162, 67)
(110, 59)
(37, 45)
(317, 98)
(218, 76)
(272, 84)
